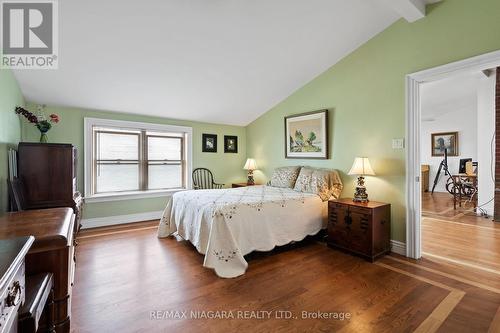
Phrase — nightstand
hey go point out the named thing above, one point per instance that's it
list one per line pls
(234, 185)
(363, 229)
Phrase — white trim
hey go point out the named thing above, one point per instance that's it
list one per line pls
(130, 195)
(413, 82)
(87, 142)
(398, 247)
(413, 196)
(120, 219)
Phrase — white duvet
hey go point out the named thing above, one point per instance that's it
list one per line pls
(227, 224)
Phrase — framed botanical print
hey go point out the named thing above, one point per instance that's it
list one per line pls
(230, 144)
(306, 135)
(442, 141)
(209, 143)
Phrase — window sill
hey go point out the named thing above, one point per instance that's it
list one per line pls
(130, 195)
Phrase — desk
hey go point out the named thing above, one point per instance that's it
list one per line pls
(12, 280)
(464, 186)
(52, 251)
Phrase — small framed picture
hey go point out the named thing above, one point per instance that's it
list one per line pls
(442, 141)
(230, 144)
(209, 143)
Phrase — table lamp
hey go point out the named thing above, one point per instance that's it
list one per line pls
(250, 165)
(361, 167)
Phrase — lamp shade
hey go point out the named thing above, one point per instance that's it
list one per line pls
(250, 164)
(361, 166)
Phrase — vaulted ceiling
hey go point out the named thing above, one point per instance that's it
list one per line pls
(220, 61)
(450, 95)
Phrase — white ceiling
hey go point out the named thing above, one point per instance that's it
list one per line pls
(219, 61)
(454, 93)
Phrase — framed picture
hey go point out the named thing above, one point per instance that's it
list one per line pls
(442, 141)
(230, 144)
(209, 143)
(306, 135)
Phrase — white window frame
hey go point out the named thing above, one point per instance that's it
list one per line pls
(90, 123)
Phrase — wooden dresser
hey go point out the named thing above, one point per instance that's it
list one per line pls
(48, 174)
(424, 177)
(363, 229)
(12, 280)
(52, 251)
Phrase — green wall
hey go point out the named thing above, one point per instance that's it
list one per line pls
(227, 168)
(10, 128)
(366, 96)
(364, 91)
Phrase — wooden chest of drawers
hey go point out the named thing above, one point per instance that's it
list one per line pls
(363, 229)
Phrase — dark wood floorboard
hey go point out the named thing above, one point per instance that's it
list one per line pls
(122, 277)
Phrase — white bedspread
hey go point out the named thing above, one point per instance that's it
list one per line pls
(227, 224)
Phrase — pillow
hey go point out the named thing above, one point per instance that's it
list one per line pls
(285, 176)
(325, 183)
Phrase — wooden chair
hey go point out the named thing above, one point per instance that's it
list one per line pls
(203, 179)
(465, 186)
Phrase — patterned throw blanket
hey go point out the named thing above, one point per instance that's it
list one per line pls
(227, 224)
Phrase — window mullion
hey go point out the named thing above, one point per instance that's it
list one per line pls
(183, 164)
(143, 158)
(94, 162)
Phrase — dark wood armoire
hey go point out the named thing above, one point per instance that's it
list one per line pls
(48, 174)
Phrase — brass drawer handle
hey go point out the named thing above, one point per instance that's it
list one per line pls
(14, 295)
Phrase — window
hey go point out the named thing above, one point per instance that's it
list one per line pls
(127, 159)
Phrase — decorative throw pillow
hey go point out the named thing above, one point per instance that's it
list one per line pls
(303, 183)
(285, 176)
(325, 183)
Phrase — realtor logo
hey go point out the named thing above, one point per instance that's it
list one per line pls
(29, 34)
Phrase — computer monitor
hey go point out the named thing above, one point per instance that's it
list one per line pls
(463, 161)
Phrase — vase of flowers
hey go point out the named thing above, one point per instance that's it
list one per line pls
(40, 121)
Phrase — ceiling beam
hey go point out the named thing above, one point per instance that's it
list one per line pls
(410, 10)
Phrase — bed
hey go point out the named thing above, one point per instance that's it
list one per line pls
(227, 224)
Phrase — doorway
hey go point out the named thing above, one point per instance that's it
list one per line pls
(415, 88)
(457, 151)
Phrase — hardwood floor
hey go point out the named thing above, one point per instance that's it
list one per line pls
(440, 206)
(126, 277)
(459, 236)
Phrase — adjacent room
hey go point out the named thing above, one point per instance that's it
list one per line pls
(457, 142)
(249, 166)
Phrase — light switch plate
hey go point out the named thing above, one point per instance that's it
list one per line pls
(398, 143)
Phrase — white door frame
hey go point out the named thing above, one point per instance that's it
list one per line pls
(413, 112)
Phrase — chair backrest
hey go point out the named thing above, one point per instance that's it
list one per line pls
(203, 179)
(16, 194)
(469, 168)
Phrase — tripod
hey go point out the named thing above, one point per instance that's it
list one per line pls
(442, 165)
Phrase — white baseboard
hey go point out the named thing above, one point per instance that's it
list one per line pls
(398, 247)
(120, 219)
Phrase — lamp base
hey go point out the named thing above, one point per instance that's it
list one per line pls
(360, 194)
(250, 180)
